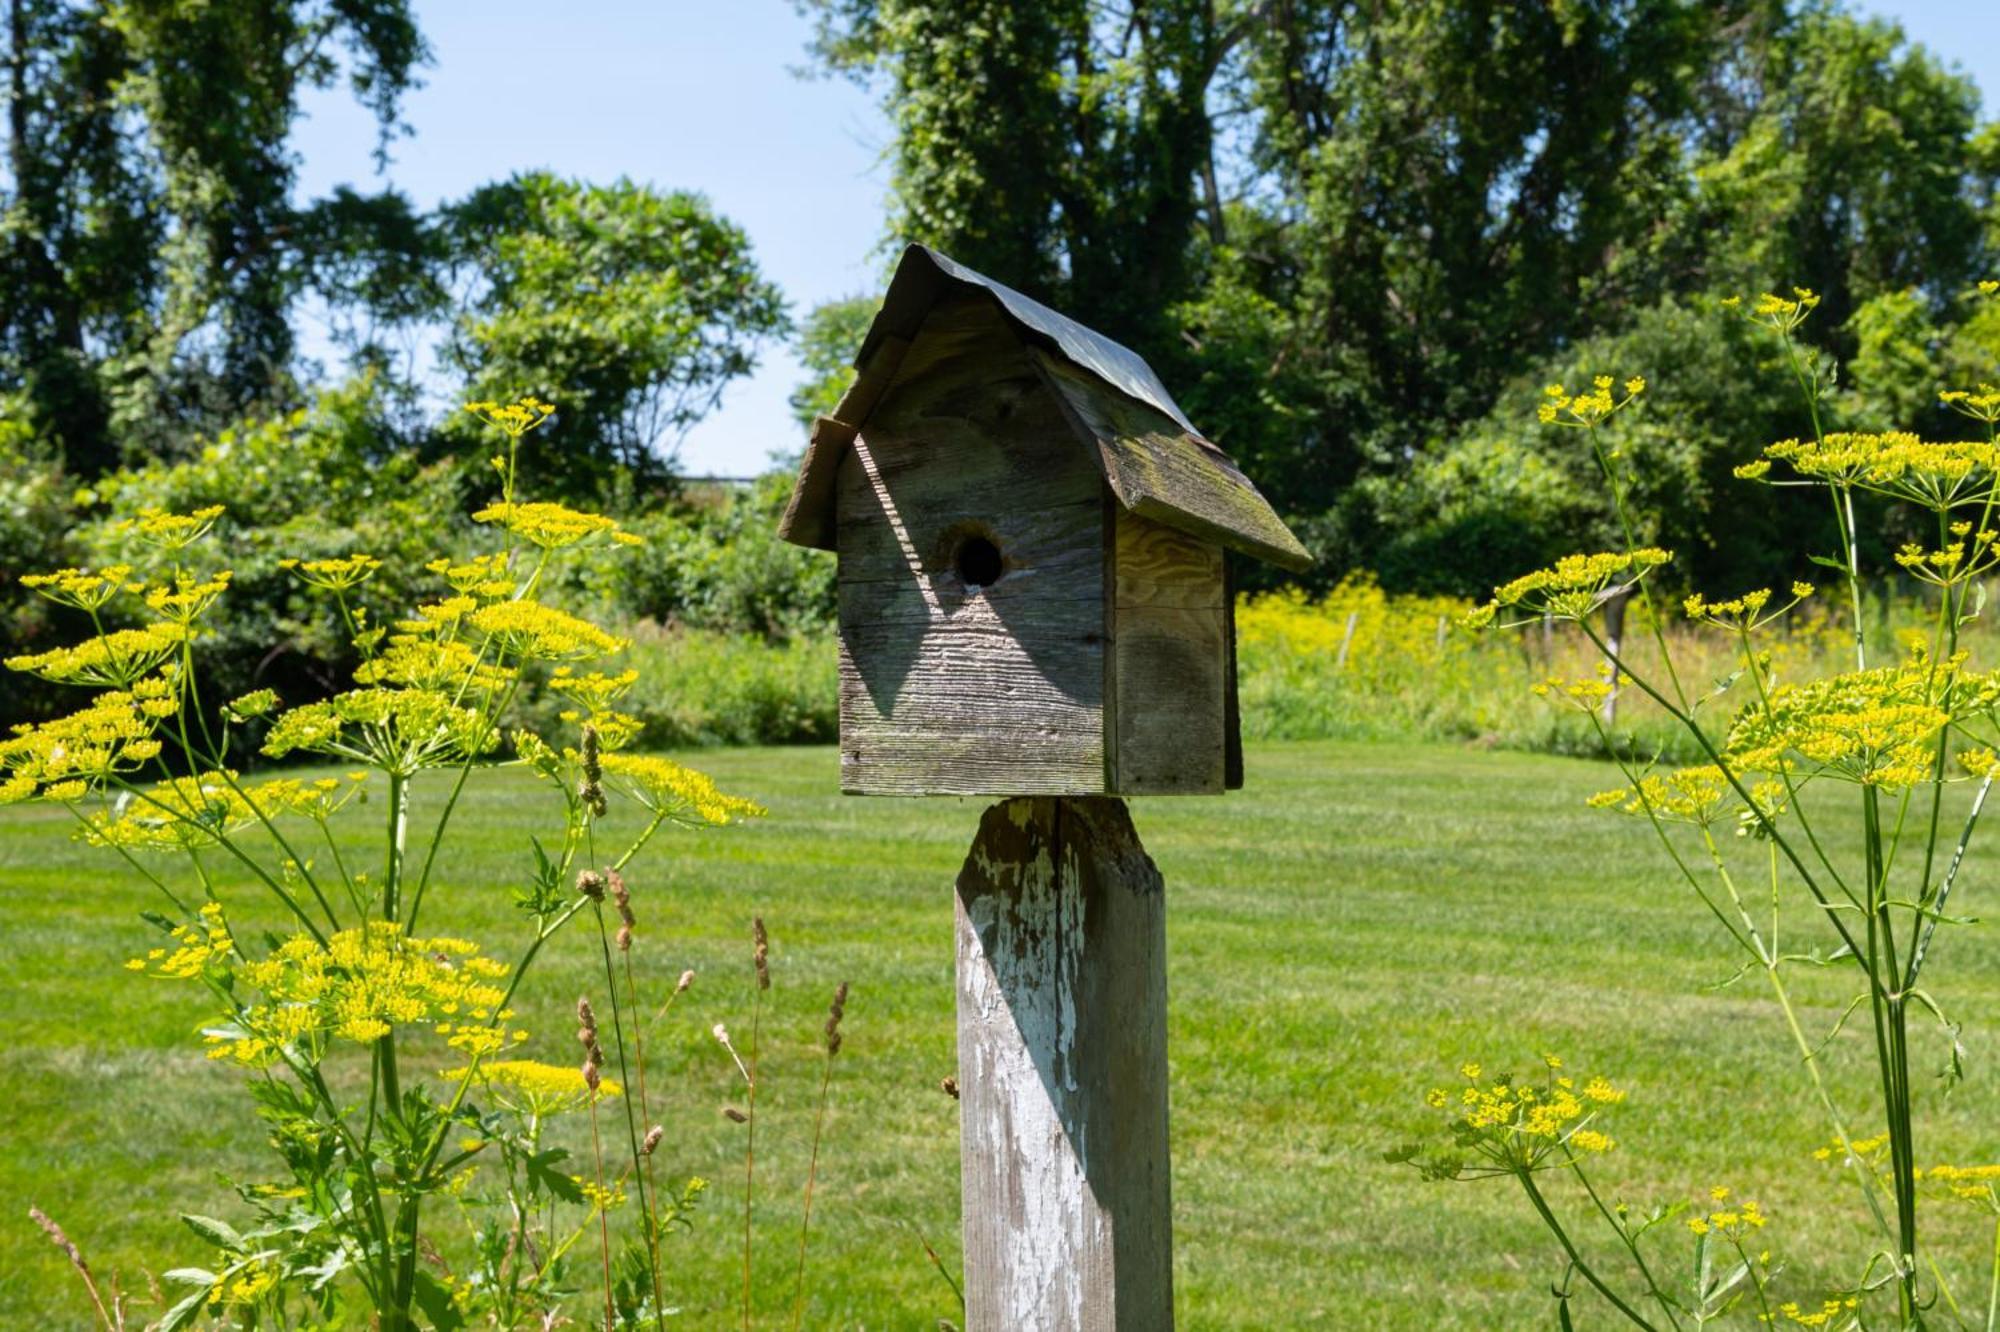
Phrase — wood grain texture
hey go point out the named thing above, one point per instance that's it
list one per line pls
(1160, 471)
(948, 687)
(1062, 1073)
(811, 516)
(1169, 660)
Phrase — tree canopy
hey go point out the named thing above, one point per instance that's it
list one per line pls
(155, 260)
(1347, 233)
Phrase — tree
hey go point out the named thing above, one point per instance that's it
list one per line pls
(1341, 230)
(629, 308)
(152, 250)
(1053, 146)
(827, 341)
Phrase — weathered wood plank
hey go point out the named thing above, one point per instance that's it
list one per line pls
(1157, 565)
(1170, 659)
(1062, 1073)
(1037, 546)
(1160, 471)
(950, 687)
(1170, 723)
(971, 711)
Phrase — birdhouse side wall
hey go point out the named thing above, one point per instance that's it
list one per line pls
(950, 686)
(1172, 676)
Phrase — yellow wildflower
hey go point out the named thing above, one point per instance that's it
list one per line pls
(1576, 585)
(530, 1087)
(554, 526)
(516, 418)
(111, 660)
(340, 573)
(84, 589)
(171, 531)
(675, 792)
(532, 631)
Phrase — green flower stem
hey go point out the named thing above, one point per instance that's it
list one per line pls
(1610, 1219)
(1736, 784)
(1892, 1055)
(1871, 1189)
(1792, 800)
(1562, 1237)
(1993, 1286)
(1929, 927)
(646, 1204)
(451, 802)
(1653, 618)
(127, 856)
(229, 844)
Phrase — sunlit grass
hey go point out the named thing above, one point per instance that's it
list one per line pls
(1341, 934)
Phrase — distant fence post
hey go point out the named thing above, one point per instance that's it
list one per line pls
(1340, 662)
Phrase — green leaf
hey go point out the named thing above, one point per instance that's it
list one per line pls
(183, 1314)
(542, 1173)
(219, 1233)
(434, 1299)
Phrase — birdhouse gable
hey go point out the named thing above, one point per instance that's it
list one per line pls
(1033, 582)
(1154, 461)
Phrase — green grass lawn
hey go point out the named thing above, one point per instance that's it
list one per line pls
(1341, 934)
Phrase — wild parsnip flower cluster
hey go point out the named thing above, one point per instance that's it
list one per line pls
(1749, 830)
(389, 1061)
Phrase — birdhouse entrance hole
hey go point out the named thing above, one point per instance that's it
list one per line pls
(977, 561)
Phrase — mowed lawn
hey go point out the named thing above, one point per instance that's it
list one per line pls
(1342, 934)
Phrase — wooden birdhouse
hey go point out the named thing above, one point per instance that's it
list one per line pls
(1034, 598)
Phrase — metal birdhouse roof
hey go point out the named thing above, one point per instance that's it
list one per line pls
(1154, 460)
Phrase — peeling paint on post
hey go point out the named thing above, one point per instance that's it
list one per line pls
(1062, 1072)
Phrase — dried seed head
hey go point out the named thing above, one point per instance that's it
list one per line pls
(624, 938)
(591, 884)
(591, 789)
(56, 1236)
(687, 979)
(721, 1034)
(731, 1113)
(834, 1013)
(761, 955)
(591, 1078)
(587, 1022)
(949, 1087)
(652, 1142)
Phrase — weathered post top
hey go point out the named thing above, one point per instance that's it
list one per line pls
(1033, 593)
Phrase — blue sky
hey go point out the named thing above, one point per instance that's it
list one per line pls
(700, 94)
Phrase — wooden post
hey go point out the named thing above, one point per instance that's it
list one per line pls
(1062, 1072)
(1346, 638)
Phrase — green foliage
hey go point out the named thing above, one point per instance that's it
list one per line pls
(827, 341)
(1052, 146)
(1363, 239)
(327, 480)
(639, 305)
(700, 687)
(1507, 493)
(715, 562)
(152, 255)
(37, 518)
